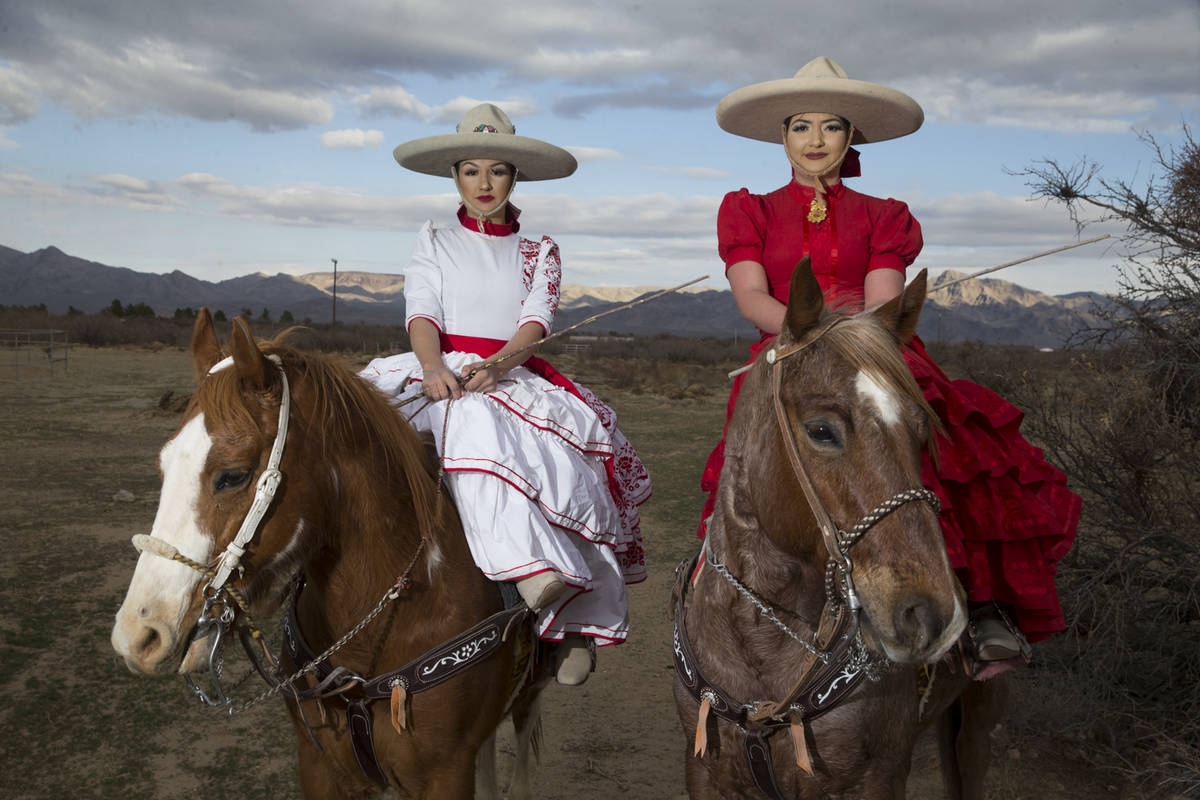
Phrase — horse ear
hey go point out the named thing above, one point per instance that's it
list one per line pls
(901, 313)
(252, 366)
(806, 301)
(206, 350)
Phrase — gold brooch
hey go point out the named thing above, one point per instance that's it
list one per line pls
(816, 209)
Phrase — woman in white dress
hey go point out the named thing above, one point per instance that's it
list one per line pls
(547, 487)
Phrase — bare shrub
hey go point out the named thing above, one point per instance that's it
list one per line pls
(1123, 424)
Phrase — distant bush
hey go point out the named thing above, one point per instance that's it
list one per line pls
(1124, 423)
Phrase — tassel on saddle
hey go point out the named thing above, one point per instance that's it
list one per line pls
(399, 709)
(702, 726)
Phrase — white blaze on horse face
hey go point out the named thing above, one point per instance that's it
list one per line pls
(161, 590)
(884, 401)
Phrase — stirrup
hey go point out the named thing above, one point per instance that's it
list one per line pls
(992, 640)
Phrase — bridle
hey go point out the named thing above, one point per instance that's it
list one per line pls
(225, 606)
(839, 580)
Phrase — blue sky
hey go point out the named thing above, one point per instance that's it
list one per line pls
(229, 137)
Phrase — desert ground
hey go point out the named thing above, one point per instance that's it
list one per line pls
(78, 478)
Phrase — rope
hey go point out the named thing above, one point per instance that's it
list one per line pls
(758, 603)
(164, 549)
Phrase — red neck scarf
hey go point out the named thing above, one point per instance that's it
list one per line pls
(509, 226)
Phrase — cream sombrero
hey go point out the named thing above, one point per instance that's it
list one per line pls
(876, 112)
(486, 132)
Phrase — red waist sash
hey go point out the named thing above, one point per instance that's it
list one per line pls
(485, 348)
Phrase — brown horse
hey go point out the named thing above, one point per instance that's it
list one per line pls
(793, 625)
(356, 511)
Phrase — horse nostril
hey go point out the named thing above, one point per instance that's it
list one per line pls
(150, 646)
(150, 639)
(916, 623)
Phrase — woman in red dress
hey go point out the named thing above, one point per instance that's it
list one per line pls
(1006, 513)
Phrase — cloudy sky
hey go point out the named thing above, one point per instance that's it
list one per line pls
(226, 137)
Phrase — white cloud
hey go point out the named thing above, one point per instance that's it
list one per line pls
(236, 61)
(127, 183)
(17, 103)
(355, 138)
(23, 186)
(585, 154)
(700, 173)
(394, 101)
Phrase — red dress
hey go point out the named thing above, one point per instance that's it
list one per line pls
(1007, 514)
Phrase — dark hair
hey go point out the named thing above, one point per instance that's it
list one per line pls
(511, 167)
(788, 120)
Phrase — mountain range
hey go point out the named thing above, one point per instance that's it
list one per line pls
(982, 309)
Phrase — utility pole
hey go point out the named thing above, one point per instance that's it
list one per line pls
(334, 260)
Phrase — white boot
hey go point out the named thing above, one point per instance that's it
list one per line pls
(576, 658)
(541, 590)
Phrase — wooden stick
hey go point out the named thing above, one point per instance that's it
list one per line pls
(493, 362)
(747, 367)
(1018, 261)
(577, 325)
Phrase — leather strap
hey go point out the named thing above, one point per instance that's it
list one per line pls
(362, 740)
(757, 746)
(432, 668)
(817, 692)
(829, 531)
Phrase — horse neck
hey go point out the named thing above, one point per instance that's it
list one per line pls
(373, 539)
(747, 548)
(764, 534)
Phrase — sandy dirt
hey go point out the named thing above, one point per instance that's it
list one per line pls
(78, 478)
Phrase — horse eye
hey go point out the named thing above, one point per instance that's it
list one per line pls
(228, 479)
(822, 434)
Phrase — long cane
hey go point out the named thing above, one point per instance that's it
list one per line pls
(521, 351)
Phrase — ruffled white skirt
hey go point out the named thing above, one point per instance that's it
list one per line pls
(543, 481)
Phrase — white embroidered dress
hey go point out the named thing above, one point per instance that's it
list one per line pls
(542, 478)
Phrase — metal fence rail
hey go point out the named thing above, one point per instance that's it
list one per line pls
(34, 349)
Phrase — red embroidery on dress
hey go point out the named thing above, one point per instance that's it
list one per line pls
(630, 487)
(553, 274)
(530, 250)
(529, 258)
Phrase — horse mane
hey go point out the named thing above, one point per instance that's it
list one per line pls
(345, 408)
(872, 349)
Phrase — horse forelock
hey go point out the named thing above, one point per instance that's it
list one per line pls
(341, 409)
(871, 350)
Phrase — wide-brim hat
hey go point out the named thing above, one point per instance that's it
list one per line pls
(877, 112)
(486, 132)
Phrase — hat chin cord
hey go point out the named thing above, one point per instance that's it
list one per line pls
(817, 208)
(482, 216)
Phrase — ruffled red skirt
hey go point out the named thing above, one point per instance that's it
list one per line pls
(1007, 514)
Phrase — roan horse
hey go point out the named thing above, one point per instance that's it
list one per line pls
(356, 512)
(781, 627)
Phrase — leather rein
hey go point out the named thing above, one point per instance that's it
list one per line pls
(835, 662)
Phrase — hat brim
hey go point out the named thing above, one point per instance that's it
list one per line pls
(877, 112)
(534, 159)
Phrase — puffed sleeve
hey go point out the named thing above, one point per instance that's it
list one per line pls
(895, 237)
(741, 228)
(423, 281)
(544, 285)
